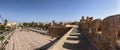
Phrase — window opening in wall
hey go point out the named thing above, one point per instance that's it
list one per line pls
(99, 29)
(118, 35)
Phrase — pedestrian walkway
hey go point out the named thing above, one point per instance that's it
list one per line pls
(77, 41)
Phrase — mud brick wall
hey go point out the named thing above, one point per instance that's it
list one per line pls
(96, 31)
(82, 24)
(88, 30)
(86, 26)
(111, 31)
(104, 34)
(58, 31)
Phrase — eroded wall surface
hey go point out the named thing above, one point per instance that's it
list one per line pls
(104, 34)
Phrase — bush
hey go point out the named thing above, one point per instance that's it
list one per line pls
(2, 28)
(2, 38)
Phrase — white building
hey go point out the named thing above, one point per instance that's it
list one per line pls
(11, 23)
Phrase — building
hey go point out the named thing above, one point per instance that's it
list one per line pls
(11, 23)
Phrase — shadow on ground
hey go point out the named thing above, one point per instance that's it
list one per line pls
(45, 47)
(83, 44)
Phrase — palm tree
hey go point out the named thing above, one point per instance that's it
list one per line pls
(2, 28)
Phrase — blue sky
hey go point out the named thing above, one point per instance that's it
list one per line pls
(58, 10)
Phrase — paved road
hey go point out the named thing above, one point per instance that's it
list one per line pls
(27, 41)
(77, 41)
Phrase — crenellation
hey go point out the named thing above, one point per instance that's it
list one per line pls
(104, 34)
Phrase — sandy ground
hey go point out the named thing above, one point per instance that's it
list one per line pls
(27, 40)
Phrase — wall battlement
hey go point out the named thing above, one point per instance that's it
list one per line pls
(104, 34)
